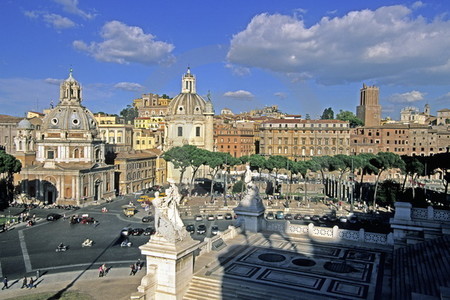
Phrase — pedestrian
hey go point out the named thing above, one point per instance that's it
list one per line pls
(31, 284)
(24, 282)
(105, 269)
(5, 283)
(38, 272)
(100, 271)
(138, 264)
(133, 270)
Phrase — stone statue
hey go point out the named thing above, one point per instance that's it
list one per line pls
(251, 196)
(167, 217)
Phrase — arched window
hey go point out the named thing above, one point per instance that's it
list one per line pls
(76, 153)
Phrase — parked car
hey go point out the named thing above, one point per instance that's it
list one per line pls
(53, 217)
(298, 217)
(307, 217)
(190, 228)
(288, 217)
(279, 215)
(149, 231)
(353, 219)
(126, 231)
(87, 220)
(315, 218)
(211, 218)
(214, 230)
(201, 229)
(343, 219)
(228, 216)
(137, 231)
(219, 217)
(147, 219)
(270, 216)
(198, 218)
(323, 218)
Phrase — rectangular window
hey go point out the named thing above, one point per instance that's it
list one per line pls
(197, 131)
(180, 131)
(50, 154)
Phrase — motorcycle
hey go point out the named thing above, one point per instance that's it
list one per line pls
(126, 243)
(62, 248)
(87, 243)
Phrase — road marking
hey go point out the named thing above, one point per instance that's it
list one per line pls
(1, 273)
(26, 257)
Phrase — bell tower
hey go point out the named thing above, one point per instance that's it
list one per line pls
(70, 91)
(188, 83)
(369, 109)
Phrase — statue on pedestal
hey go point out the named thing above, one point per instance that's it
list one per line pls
(167, 217)
(251, 197)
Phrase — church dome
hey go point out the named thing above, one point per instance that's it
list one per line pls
(25, 124)
(69, 114)
(188, 102)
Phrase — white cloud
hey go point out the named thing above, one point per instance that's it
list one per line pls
(54, 20)
(238, 70)
(57, 21)
(386, 45)
(54, 81)
(129, 86)
(71, 6)
(124, 44)
(409, 97)
(444, 98)
(417, 4)
(240, 94)
(280, 95)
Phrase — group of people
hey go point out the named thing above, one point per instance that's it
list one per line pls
(103, 270)
(135, 267)
(26, 283)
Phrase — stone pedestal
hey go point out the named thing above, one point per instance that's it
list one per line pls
(403, 211)
(251, 217)
(171, 265)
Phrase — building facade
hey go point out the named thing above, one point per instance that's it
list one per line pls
(189, 121)
(69, 165)
(304, 139)
(236, 138)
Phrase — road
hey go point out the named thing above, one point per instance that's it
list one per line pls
(24, 250)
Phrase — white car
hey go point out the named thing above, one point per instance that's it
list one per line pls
(211, 218)
(198, 218)
(219, 217)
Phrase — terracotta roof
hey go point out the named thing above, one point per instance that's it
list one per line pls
(9, 119)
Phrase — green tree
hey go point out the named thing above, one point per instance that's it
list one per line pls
(257, 162)
(307, 117)
(180, 157)
(216, 162)
(384, 161)
(129, 114)
(9, 165)
(199, 158)
(413, 168)
(362, 162)
(350, 117)
(389, 192)
(276, 162)
(328, 114)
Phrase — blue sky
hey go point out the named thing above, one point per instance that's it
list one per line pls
(303, 56)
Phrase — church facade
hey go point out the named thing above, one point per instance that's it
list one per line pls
(69, 161)
(189, 121)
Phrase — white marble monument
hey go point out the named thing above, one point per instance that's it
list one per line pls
(170, 252)
(250, 210)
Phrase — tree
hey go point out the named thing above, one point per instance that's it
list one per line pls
(199, 158)
(350, 117)
(439, 163)
(413, 168)
(343, 164)
(129, 113)
(257, 162)
(328, 114)
(276, 162)
(9, 165)
(384, 161)
(302, 168)
(215, 161)
(180, 157)
(307, 117)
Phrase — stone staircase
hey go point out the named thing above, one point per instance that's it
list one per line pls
(208, 288)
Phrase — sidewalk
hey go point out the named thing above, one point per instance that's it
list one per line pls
(116, 285)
